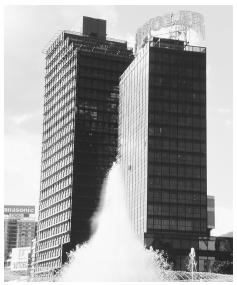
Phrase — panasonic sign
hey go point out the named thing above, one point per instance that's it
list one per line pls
(11, 209)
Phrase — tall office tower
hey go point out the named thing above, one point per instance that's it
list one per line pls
(162, 145)
(79, 136)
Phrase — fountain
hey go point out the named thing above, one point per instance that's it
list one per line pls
(114, 253)
(192, 262)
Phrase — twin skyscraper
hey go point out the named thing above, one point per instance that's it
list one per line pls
(102, 102)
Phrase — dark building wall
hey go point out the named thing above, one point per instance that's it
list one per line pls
(177, 191)
(96, 134)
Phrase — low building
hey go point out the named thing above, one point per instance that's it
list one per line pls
(210, 213)
(20, 259)
(215, 254)
(19, 228)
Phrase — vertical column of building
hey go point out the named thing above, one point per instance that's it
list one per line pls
(100, 62)
(177, 194)
(177, 140)
(57, 156)
(133, 136)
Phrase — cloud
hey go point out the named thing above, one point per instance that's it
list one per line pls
(130, 38)
(229, 123)
(108, 13)
(30, 123)
(223, 110)
(23, 118)
(22, 168)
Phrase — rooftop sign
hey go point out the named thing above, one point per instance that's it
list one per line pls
(13, 209)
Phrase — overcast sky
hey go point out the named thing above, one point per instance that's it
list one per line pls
(28, 29)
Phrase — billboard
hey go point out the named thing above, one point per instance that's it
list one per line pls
(14, 209)
(19, 258)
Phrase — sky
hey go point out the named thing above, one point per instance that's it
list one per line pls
(29, 29)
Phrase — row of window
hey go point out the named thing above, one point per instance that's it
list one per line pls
(100, 117)
(65, 62)
(60, 218)
(53, 242)
(57, 186)
(173, 133)
(51, 148)
(180, 121)
(182, 159)
(181, 184)
(55, 50)
(174, 108)
(55, 209)
(61, 109)
(177, 197)
(186, 72)
(55, 157)
(55, 230)
(181, 171)
(100, 62)
(96, 84)
(59, 196)
(176, 225)
(60, 84)
(176, 129)
(190, 85)
(49, 254)
(174, 143)
(66, 86)
(183, 153)
(172, 96)
(177, 210)
(59, 99)
(179, 61)
(48, 265)
(57, 176)
(57, 166)
(98, 73)
(59, 134)
(67, 120)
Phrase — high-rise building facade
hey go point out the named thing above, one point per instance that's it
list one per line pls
(162, 145)
(79, 136)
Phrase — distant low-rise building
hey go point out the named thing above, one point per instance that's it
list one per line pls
(20, 259)
(19, 228)
(210, 212)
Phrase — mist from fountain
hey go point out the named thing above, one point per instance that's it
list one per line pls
(113, 253)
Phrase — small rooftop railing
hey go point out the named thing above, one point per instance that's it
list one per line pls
(83, 35)
(174, 46)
